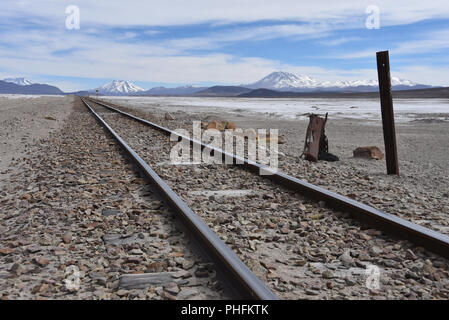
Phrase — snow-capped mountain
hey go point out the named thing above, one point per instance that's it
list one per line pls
(119, 87)
(19, 81)
(285, 81)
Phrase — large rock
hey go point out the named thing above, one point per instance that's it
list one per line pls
(215, 125)
(230, 126)
(221, 126)
(368, 153)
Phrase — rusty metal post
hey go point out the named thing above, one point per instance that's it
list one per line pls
(386, 102)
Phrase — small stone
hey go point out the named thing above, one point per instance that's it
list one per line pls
(41, 261)
(373, 292)
(311, 292)
(176, 254)
(179, 260)
(134, 259)
(6, 251)
(110, 212)
(327, 274)
(349, 282)
(26, 197)
(136, 252)
(157, 267)
(187, 293)
(33, 249)
(182, 274)
(346, 259)
(172, 288)
(99, 277)
(409, 255)
(67, 237)
(168, 116)
(187, 264)
(390, 263)
(40, 288)
(268, 266)
(167, 296)
(375, 251)
(16, 269)
(364, 236)
(317, 216)
(122, 293)
(201, 273)
(300, 262)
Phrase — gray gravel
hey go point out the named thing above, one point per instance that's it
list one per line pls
(300, 248)
(74, 203)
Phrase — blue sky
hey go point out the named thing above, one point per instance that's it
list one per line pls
(200, 42)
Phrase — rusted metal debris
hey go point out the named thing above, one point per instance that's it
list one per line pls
(316, 146)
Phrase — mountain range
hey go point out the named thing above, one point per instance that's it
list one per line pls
(24, 86)
(276, 81)
(285, 81)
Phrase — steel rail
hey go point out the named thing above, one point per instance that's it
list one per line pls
(239, 278)
(393, 225)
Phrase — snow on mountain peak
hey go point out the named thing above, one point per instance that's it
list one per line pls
(289, 81)
(281, 79)
(119, 87)
(19, 81)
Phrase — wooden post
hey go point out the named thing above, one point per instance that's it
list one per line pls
(386, 102)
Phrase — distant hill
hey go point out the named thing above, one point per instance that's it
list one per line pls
(80, 93)
(223, 91)
(35, 88)
(178, 91)
(442, 93)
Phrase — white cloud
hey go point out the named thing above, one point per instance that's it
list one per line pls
(428, 42)
(92, 54)
(339, 41)
(179, 12)
(215, 40)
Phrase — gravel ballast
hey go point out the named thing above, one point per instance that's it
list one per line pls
(301, 248)
(75, 208)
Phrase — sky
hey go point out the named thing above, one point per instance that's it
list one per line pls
(198, 42)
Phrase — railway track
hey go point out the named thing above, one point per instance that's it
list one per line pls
(242, 282)
(397, 227)
(431, 240)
